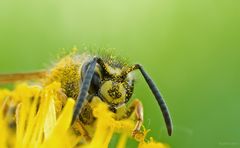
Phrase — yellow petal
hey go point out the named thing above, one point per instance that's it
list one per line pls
(50, 119)
(59, 135)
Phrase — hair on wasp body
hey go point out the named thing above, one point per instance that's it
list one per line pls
(85, 77)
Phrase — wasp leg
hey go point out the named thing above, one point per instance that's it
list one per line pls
(137, 108)
(79, 129)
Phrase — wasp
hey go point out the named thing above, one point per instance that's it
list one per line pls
(86, 76)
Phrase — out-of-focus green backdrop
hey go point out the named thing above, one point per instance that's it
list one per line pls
(190, 48)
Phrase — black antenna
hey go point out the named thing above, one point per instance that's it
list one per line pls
(84, 88)
(156, 93)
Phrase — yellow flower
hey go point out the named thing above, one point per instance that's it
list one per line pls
(28, 118)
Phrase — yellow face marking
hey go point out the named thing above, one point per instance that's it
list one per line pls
(113, 93)
(113, 71)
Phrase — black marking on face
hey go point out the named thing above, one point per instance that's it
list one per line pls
(114, 92)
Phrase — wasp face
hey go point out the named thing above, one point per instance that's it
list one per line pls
(109, 84)
(115, 93)
(112, 92)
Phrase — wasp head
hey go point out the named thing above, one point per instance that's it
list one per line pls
(111, 83)
(114, 85)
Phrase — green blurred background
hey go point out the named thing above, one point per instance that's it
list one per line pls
(191, 49)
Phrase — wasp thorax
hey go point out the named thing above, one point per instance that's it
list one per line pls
(113, 92)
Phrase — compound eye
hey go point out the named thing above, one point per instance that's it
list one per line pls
(95, 83)
(113, 92)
